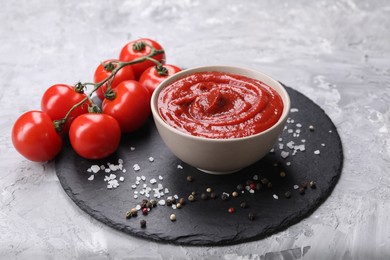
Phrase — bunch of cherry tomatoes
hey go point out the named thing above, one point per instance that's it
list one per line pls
(124, 85)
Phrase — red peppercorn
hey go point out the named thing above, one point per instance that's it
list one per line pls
(231, 210)
(145, 211)
(252, 186)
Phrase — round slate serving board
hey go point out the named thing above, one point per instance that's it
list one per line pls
(207, 222)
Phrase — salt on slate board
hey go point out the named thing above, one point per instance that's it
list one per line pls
(208, 222)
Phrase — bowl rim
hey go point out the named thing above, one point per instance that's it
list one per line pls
(219, 68)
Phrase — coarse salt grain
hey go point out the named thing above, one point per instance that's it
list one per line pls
(275, 196)
(296, 187)
(91, 177)
(161, 202)
(293, 110)
(179, 166)
(151, 159)
(95, 168)
(284, 154)
(317, 152)
(288, 163)
(136, 167)
(153, 181)
(132, 148)
(160, 177)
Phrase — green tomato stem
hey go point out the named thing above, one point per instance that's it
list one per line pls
(59, 124)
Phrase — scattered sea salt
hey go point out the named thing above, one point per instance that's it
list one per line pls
(296, 187)
(132, 148)
(136, 167)
(317, 152)
(275, 196)
(91, 177)
(179, 166)
(160, 177)
(284, 154)
(153, 181)
(95, 168)
(161, 202)
(151, 159)
(293, 110)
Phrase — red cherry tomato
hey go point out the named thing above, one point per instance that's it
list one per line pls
(58, 100)
(34, 137)
(101, 73)
(131, 105)
(135, 49)
(154, 75)
(94, 136)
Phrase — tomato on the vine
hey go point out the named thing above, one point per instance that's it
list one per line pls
(34, 137)
(59, 99)
(104, 70)
(139, 48)
(94, 135)
(130, 105)
(154, 75)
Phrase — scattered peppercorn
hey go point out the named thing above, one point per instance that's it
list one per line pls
(149, 205)
(168, 202)
(301, 190)
(204, 196)
(252, 186)
(193, 193)
(231, 210)
(311, 127)
(191, 198)
(182, 201)
(189, 178)
(178, 205)
(145, 211)
(243, 205)
(128, 214)
(209, 190)
(224, 196)
(153, 202)
(172, 217)
(213, 195)
(269, 185)
(313, 184)
(143, 223)
(251, 216)
(259, 186)
(134, 212)
(282, 174)
(235, 194)
(249, 182)
(240, 187)
(287, 194)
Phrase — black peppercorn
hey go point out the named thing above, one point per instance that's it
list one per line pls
(168, 202)
(213, 195)
(313, 184)
(182, 201)
(189, 178)
(143, 223)
(204, 196)
(243, 205)
(287, 194)
(251, 216)
(224, 196)
(240, 187)
(301, 190)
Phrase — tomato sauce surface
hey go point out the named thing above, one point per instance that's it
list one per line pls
(219, 105)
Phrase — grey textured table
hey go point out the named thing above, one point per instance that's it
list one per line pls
(335, 52)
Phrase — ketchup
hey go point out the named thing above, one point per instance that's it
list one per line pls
(219, 105)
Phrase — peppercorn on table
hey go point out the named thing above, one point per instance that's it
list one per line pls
(335, 53)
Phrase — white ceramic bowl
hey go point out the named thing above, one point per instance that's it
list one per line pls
(220, 156)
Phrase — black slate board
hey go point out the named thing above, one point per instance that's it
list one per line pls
(207, 222)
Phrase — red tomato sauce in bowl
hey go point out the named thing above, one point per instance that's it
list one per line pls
(219, 105)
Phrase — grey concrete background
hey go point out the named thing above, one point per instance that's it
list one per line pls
(335, 52)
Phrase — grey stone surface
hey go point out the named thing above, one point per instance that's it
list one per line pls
(335, 52)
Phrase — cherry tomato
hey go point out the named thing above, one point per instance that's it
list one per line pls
(154, 75)
(104, 70)
(94, 136)
(34, 137)
(130, 106)
(135, 49)
(58, 100)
